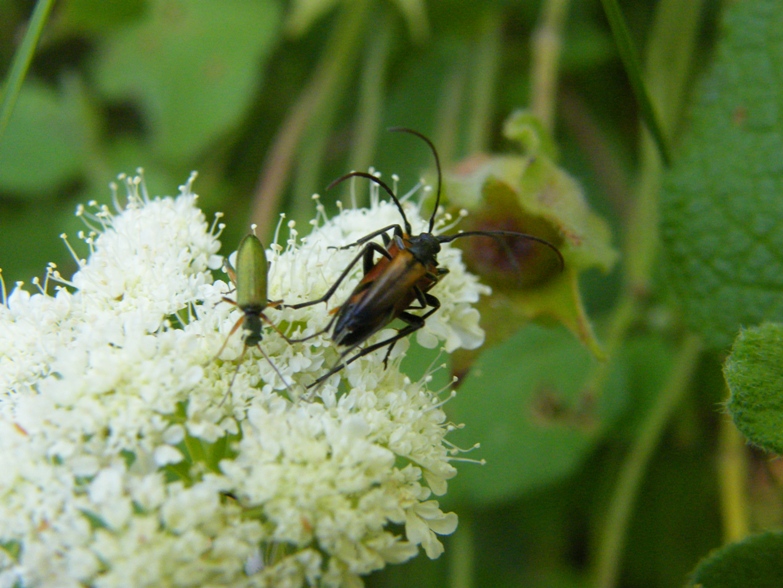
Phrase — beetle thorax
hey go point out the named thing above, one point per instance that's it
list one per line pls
(424, 248)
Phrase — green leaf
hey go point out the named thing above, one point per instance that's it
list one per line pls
(191, 66)
(96, 521)
(721, 204)
(754, 373)
(525, 402)
(46, 141)
(415, 14)
(12, 548)
(757, 561)
(304, 14)
(98, 15)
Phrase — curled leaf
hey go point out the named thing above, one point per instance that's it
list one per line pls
(529, 193)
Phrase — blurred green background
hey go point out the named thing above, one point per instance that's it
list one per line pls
(617, 478)
(244, 90)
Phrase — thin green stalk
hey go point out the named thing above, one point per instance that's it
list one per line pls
(641, 232)
(485, 72)
(593, 141)
(641, 239)
(310, 157)
(673, 39)
(633, 70)
(623, 316)
(318, 97)
(462, 554)
(732, 473)
(547, 41)
(669, 60)
(448, 113)
(371, 94)
(612, 540)
(309, 161)
(21, 63)
(640, 254)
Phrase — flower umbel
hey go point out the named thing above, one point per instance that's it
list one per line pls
(120, 463)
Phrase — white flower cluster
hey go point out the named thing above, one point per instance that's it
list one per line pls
(128, 460)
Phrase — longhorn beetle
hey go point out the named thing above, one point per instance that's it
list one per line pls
(405, 273)
(250, 282)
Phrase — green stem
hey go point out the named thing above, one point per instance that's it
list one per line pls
(546, 57)
(349, 34)
(633, 70)
(623, 316)
(612, 538)
(461, 554)
(594, 142)
(676, 26)
(641, 232)
(732, 473)
(448, 113)
(319, 99)
(667, 61)
(21, 63)
(485, 68)
(309, 164)
(371, 93)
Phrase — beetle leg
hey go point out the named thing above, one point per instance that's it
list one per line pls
(236, 371)
(415, 322)
(228, 268)
(277, 371)
(267, 320)
(421, 298)
(371, 236)
(237, 324)
(333, 288)
(368, 259)
(326, 329)
(390, 342)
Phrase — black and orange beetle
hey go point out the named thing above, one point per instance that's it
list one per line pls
(399, 281)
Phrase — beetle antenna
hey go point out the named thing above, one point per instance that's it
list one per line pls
(277, 371)
(496, 234)
(381, 183)
(437, 165)
(236, 371)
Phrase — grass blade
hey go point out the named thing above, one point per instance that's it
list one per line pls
(633, 69)
(22, 59)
